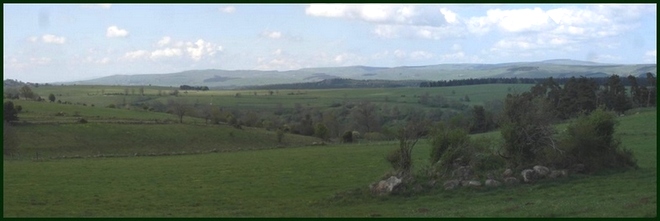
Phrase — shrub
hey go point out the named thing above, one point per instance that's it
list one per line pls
(82, 121)
(347, 137)
(590, 141)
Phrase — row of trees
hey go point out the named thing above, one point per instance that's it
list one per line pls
(515, 80)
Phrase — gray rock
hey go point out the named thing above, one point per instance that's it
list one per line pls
(451, 184)
(557, 174)
(492, 183)
(511, 181)
(507, 173)
(473, 183)
(541, 171)
(462, 173)
(386, 186)
(528, 175)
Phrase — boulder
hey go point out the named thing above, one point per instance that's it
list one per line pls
(528, 175)
(386, 186)
(462, 173)
(557, 174)
(510, 181)
(492, 183)
(507, 173)
(473, 183)
(541, 171)
(451, 184)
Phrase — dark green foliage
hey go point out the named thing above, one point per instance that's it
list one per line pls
(51, 97)
(526, 129)
(590, 141)
(27, 92)
(321, 131)
(347, 137)
(9, 113)
(482, 120)
(82, 121)
(614, 95)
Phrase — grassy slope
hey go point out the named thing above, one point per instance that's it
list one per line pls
(299, 182)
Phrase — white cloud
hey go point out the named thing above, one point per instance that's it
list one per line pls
(114, 31)
(272, 34)
(386, 31)
(228, 9)
(40, 61)
(134, 55)
(167, 52)
(277, 52)
(650, 56)
(164, 41)
(379, 13)
(33, 39)
(420, 55)
(105, 5)
(450, 16)
(52, 39)
(201, 48)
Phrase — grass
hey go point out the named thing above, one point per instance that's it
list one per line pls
(305, 181)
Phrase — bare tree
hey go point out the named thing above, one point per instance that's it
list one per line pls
(178, 108)
(365, 116)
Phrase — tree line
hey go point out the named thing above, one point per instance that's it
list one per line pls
(514, 80)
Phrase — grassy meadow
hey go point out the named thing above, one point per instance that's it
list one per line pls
(243, 173)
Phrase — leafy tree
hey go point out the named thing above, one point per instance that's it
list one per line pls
(321, 131)
(614, 95)
(481, 120)
(635, 92)
(142, 91)
(9, 112)
(27, 92)
(347, 137)
(51, 97)
(526, 129)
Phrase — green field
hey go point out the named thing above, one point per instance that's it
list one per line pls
(261, 180)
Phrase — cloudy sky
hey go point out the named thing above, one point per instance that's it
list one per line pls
(52, 43)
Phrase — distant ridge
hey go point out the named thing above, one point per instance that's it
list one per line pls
(216, 78)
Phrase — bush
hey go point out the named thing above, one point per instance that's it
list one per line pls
(590, 141)
(347, 137)
(82, 121)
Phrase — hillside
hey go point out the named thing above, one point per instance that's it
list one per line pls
(240, 78)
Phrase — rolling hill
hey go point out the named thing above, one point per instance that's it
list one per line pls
(239, 78)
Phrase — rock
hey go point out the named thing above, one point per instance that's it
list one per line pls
(510, 181)
(557, 174)
(474, 183)
(528, 175)
(463, 173)
(451, 184)
(492, 183)
(507, 173)
(386, 186)
(541, 171)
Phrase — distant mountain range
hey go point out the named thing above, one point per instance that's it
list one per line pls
(240, 78)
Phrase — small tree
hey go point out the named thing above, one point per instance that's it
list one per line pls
(51, 97)
(280, 135)
(321, 131)
(408, 136)
(9, 112)
(347, 137)
(27, 93)
(178, 108)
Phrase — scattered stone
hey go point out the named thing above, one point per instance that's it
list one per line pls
(386, 186)
(528, 175)
(474, 183)
(451, 184)
(510, 181)
(541, 171)
(557, 174)
(463, 173)
(492, 183)
(507, 173)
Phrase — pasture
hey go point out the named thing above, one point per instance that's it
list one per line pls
(262, 180)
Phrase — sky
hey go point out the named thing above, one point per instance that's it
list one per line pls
(45, 43)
